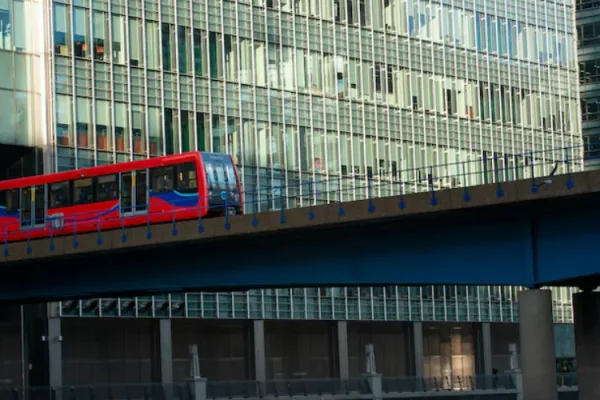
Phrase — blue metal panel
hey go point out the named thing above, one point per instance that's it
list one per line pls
(499, 246)
(567, 245)
(392, 253)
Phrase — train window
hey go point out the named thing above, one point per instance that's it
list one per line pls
(221, 175)
(83, 191)
(2, 200)
(107, 188)
(162, 179)
(187, 179)
(210, 176)
(12, 201)
(60, 195)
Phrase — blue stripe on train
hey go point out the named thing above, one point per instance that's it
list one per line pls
(3, 213)
(177, 199)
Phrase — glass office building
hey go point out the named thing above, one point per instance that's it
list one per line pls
(301, 91)
(23, 88)
(588, 40)
(448, 303)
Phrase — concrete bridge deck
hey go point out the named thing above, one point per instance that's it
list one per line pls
(524, 237)
(417, 204)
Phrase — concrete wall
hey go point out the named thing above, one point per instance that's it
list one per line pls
(503, 335)
(10, 353)
(97, 351)
(121, 351)
(224, 348)
(391, 344)
(300, 349)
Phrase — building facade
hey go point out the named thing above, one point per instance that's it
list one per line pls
(301, 91)
(406, 91)
(24, 133)
(588, 41)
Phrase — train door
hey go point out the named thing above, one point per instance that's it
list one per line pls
(134, 192)
(33, 206)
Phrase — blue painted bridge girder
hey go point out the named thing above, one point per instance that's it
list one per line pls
(531, 244)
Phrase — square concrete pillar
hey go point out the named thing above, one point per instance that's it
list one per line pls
(536, 331)
(418, 355)
(260, 363)
(486, 349)
(586, 306)
(342, 349)
(54, 340)
(166, 351)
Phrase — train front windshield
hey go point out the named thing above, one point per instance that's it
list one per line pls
(221, 180)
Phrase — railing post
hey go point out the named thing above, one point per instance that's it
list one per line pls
(371, 208)
(254, 209)
(401, 202)
(499, 190)
(341, 211)
(51, 229)
(311, 213)
(174, 223)
(198, 383)
(6, 252)
(516, 372)
(227, 223)
(569, 182)
(375, 384)
(282, 219)
(466, 194)
(29, 249)
(123, 235)
(99, 241)
(534, 186)
(200, 226)
(433, 200)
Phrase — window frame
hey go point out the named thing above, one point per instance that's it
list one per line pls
(153, 174)
(98, 187)
(185, 168)
(74, 192)
(51, 204)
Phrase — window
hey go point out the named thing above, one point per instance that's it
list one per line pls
(162, 179)
(83, 191)
(107, 188)
(187, 180)
(60, 195)
(12, 201)
(210, 176)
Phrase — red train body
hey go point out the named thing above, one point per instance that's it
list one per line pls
(177, 187)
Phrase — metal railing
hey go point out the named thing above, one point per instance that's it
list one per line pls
(503, 386)
(359, 387)
(312, 190)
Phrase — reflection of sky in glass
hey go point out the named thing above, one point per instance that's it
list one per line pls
(21, 110)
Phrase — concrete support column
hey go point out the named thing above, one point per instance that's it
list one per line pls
(586, 306)
(260, 363)
(536, 331)
(342, 349)
(486, 348)
(166, 351)
(418, 355)
(54, 340)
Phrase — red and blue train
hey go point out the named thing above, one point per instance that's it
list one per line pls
(181, 187)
